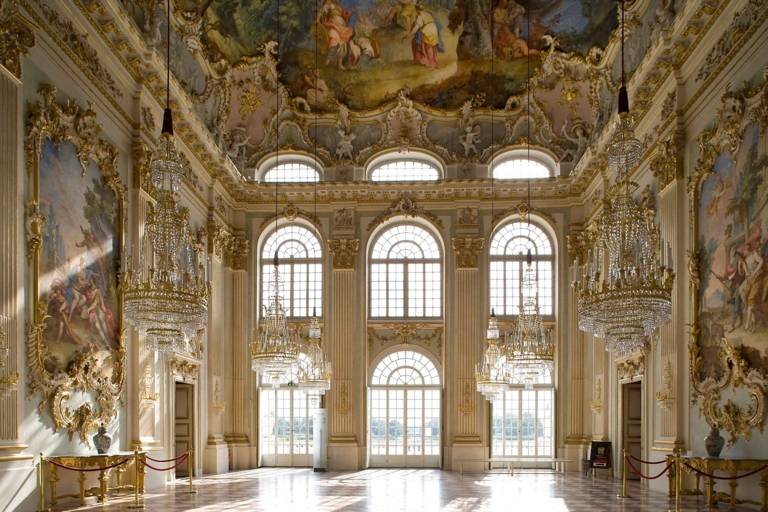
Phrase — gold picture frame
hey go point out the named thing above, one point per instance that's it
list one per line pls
(738, 110)
(94, 374)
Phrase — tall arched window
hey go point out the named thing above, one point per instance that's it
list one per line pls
(404, 411)
(301, 272)
(291, 172)
(509, 247)
(405, 274)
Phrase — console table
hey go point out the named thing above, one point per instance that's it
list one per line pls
(721, 467)
(83, 464)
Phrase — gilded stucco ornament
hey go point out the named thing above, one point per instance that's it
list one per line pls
(467, 250)
(631, 367)
(385, 335)
(344, 252)
(404, 206)
(666, 165)
(738, 108)
(100, 381)
(665, 397)
(16, 36)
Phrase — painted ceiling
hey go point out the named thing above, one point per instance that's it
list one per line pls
(391, 73)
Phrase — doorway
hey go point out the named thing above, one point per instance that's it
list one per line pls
(286, 418)
(632, 416)
(184, 427)
(404, 412)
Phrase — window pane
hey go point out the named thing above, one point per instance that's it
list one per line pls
(414, 274)
(300, 268)
(291, 172)
(520, 169)
(405, 170)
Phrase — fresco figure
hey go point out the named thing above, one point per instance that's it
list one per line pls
(425, 42)
(335, 19)
(507, 20)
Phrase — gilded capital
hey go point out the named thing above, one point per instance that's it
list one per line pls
(344, 251)
(467, 251)
(666, 165)
(16, 36)
(237, 256)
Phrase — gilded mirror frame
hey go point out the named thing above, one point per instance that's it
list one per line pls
(738, 109)
(69, 123)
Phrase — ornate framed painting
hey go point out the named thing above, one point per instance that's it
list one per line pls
(75, 216)
(729, 266)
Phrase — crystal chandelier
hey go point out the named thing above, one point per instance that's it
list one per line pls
(166, 300)
(491, 376)
(623, 291)
(314, 370)
(530, 349)
(275, 352)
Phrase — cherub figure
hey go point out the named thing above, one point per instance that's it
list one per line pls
(469, 139)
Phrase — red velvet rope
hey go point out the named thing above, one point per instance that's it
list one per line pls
(167, 460)
(758, 470)
(90, 469)
(645, 461)
(182, 459)
(636, 471)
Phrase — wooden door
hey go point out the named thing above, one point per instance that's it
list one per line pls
(632, 407)
(184, 423)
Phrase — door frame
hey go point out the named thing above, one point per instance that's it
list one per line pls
(519, 390)
(290, 459)
(401, 461)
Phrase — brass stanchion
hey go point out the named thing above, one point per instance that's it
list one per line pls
(678, 481)
(41, 483)
(625, 469)
(136, 462)
(190, 470)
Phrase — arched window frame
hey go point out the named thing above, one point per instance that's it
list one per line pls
(504, 303)
(272, 163)
(404, 158)
(406, 293)
(538, 157)
(291, 267)
(405, 357)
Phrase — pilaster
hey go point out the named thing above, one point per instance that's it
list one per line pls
(343, 404)
(467, 409)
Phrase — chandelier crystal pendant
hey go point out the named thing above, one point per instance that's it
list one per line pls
(166, 299)
(491, 375)
(275, 352)
(530, 349)
(623, 290)
(314, 370)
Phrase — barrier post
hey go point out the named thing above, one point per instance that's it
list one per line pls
(678, 481)
(191, 470)
(41, 482)
(136, 462)
(624, 470)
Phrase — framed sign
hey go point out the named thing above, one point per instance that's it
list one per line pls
(600, 455)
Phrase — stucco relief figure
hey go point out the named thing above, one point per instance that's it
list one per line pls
(344, 147)
(469, 140)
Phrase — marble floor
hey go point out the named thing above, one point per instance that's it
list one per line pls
(293, 489)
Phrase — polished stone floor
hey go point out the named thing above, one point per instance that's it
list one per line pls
(288, 489)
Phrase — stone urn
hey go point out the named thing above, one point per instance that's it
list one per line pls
(714, 442)
(101, 440)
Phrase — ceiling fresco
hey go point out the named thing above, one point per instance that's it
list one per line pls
(368, 50)
(396, 74)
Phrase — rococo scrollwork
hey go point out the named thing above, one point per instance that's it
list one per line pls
(728, 314)
(75, 340)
